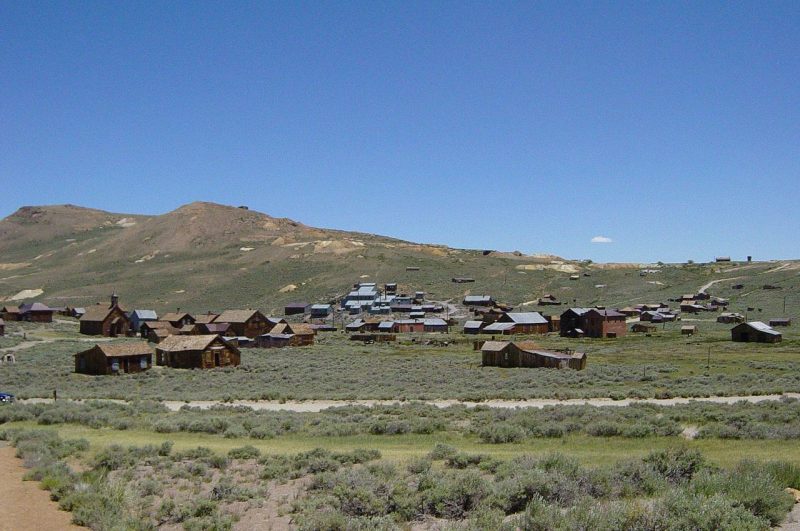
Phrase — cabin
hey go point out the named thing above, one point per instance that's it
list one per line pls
(689, 330)
(197, 352)
(271, 340)
(320, 311)
(755, 332)
(692, 307)
(548, 300)
(296, 308)
(478, 300)
(731, 318)
(572, 319)
(250, 323)
(643, 328)
(36, 313)
(303, 334)
(178, 319)
(780, 321)
(114, 358)
(604, 323)
(10, 313)
(473, 327)
(525, 354)
(139, 317)
(155, 331)
(434, 325)
(108, 321)
(525, 322)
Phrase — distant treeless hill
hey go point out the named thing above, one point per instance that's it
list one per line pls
(208, 256)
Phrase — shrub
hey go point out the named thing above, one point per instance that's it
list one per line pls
(245, 452)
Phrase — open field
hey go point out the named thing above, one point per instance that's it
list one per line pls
(664, 365)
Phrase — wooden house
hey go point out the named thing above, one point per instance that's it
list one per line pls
(303, 334)
(525, 354)
(405, 326)
(273, 340)
(755, 332)
(10, 313)
(689, 330)
(572, 319)
(435, 325)
(473, 327)
(139, 317)
(197, 352)
(114, 358)
(155, 331)
(250, 323)
(780, 321)
(548, 300)
(478, 300)
(604, 323)
(108, 321)
(36, 313)
(643, 328)
(178, 319)
(731, 318)
(320, 311)
(296, 308)
(525, 322)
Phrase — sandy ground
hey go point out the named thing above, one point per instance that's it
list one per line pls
(313, 406)
(23, 505)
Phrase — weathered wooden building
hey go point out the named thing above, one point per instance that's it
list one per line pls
(178, 319)
(114, 358)
(643, 328)
(156, 331)
(36, 313)
(572, 320)
(473, 327)
(755, 332)
(730, 318)
(478, 300)
(102, 320)
(10, 313)
(250, 323)
(296, 308)
(525, 322)
(197, 352)
(780, 321)
(526, 354)
(689, 330)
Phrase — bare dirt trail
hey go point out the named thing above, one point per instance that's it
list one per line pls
(314, 406)
(23, 505)
(707, 285)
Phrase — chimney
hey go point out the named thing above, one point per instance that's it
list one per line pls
(114, 299)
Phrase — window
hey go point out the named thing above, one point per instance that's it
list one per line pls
(115, 364)
(143, 362)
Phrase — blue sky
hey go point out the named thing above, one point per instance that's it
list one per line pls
(671, 128)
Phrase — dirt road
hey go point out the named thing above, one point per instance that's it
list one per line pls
(23, 505)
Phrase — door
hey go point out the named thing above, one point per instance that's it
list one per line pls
(216, 358)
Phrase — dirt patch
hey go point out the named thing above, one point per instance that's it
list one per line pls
(24, 505)
(274, 514)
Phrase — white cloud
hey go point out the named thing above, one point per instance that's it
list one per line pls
(602, 239)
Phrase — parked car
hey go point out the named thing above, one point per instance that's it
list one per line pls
(6, 398)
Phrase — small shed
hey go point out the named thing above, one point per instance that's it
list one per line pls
(755, 331)
(689, 330)
(36, 313)
(197, 352)
(271, 340)
(114, 358)
(321, 310)
(730, 318)
(780, 321)
(435, 325)
(473, 327)
(643, 328)
(478, 300)
(10, 313)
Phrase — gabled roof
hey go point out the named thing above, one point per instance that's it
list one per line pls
(237, 316)
(158, 325)
(473, 324)
(145, 314)
(526, 318)
(320, 306)
(301, 329)
(478, 298)
(183, 343)
(499, 327)
(495, 346)
(175, 316)
(119, 350)
(385, 325)
(435, 321)
(216, 328)
(205, 318)
(97, 313)
(10, 309)
(761, 327)
(35, 307)
(577, 311)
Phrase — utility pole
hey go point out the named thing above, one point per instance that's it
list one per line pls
(708, 361)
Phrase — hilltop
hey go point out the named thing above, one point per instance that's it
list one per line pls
(205, 255)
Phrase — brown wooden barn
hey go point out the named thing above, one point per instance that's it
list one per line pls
(755, 332)
(303, 334)
(572, 319)
(101, 320)
(114, 358)
(250, 323)
(36, 313)
(526, 354)
(526, 322)
(10, 313)
(643, 328)
(197, 352)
